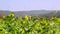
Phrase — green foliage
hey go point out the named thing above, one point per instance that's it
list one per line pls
(29, 25)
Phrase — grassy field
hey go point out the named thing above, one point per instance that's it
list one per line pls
(29, 25)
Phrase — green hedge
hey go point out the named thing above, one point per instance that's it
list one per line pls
(29, 25)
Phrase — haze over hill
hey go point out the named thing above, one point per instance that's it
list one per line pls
(31, 13)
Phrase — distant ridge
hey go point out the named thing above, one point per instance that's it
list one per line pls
(31, 13)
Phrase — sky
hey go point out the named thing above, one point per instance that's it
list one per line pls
(23, 5)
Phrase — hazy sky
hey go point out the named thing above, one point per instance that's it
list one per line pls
(29, 5)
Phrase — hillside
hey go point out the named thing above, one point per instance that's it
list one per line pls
(32, 13)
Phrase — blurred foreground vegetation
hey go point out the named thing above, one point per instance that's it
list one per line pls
(29, 25)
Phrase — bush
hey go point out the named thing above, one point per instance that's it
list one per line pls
(29, 25)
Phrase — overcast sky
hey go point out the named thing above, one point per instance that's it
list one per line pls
(22, 5)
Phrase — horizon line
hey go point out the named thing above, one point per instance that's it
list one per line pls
(25, 10)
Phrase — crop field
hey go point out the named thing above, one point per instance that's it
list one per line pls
(11, 24)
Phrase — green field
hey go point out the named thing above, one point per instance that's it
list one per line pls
(29, 25)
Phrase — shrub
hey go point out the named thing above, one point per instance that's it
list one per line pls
(29, 25)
